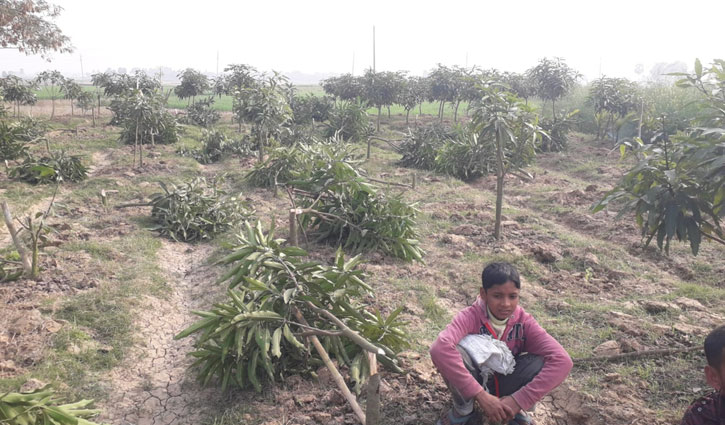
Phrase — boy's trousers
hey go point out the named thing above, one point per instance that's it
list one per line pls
(527, 367)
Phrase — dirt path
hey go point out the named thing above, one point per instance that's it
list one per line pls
(152, 387)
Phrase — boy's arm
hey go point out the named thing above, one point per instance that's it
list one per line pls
(557, 364)
(446, 357)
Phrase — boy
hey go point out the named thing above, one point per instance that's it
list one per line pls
(496, 312)
(710, 409)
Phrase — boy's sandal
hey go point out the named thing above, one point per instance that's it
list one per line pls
(449, 419)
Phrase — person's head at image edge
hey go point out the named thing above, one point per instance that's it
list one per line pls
(715, 354)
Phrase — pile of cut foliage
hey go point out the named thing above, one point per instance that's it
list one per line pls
(276, 298)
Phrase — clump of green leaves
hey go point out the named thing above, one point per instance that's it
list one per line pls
(275, 298)
(214, 144)
(202, 113)
(421, 146)
(467, 156)
(342, 207)
(56, 167)
(42, 407)
(12, 141)
(309, 108)
(556, 132)
(197, 210)
(350, 121)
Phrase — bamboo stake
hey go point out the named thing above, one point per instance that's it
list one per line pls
(293, 239)
(372, 410)
(339, 380)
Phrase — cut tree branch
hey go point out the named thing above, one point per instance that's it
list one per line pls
(636, 355)
(27, 266)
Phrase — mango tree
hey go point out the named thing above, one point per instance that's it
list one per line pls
(503, 120)
(52, 81)
(552, 79)
(71, 90)
(613, 99)
(677, 188)
(18, 92)
(193, 83)
(266, 107)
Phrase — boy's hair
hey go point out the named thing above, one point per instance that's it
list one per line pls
(715, 347)
(498, 274)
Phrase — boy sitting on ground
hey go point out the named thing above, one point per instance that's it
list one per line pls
(710, 409)
(541, 362)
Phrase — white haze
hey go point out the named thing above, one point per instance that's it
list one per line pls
(321, 37)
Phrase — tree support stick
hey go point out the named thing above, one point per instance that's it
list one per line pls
(339, 380)
(293, 239)
(27, 266)
(636, 355)
(372, 410)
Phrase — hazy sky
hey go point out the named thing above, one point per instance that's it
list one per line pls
(322, 36)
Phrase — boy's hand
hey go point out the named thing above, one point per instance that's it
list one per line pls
(511, 403)
(494, 408)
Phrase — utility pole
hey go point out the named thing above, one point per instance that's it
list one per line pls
(373, 49)
(81, 57)
(217, 62)
(466, 59)
(353, 63)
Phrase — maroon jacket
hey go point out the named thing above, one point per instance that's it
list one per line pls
(707, 410)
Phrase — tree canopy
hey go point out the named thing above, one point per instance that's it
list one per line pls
(27, 25)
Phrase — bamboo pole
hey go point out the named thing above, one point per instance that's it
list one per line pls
(293, 239)
(372, 409)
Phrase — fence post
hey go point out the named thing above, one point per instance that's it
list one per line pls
(293, 240)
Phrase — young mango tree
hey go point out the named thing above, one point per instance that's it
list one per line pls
(613, 99)
(18, 92)
(503, 120)
(193, 83)
(238, 82)
(267, 109)
(52, 81)
(552, 79)
(677, 188)
(71, 90)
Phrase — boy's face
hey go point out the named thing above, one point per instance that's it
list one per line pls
(715, 376)
(502, 299)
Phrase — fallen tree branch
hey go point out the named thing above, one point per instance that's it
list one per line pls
(133, 204)
(339, 380)
(390, 142)
(407, 186)
(19, 246)
(636, 355)
(354, 336)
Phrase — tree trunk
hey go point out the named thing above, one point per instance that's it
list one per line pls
(99, 104)
(641, 117)
(135, 145)
(455, 111)
(52, 107)
(499, 183)
(407, 114)
(420, 108)
(93, 115)
(440, 111)
(553, 110)
(388, 112)
(71, 108)
(19, 246)
(377, 125)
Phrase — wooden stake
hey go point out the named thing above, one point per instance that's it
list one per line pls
(293, 240)
(372, 411)
(415, 180)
